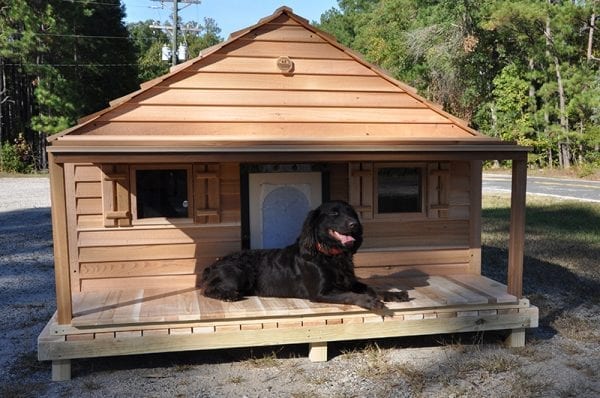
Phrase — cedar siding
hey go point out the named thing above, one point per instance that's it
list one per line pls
(111, 252)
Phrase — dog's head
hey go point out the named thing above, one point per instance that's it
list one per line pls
(333, 228)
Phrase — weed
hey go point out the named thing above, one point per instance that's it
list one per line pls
(183, 367)
(304, 394)
(414, 377)
(90, 385)
(236, 379)
(266, 361)
(498, 362)
(577, 328)
(317, 380)
(526, 385)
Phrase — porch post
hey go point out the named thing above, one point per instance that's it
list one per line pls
(517, 226)
(59, 234)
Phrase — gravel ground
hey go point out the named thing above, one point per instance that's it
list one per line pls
(552, 364)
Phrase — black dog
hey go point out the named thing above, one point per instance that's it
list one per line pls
(317, 267)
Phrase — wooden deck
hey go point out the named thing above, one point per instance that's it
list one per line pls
(123, 322)
(151, 306)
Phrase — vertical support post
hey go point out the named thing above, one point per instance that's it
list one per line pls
(517, 226)
(476, 167)
(317, 352)
(61, 243)
(516, 338)
(61, 370)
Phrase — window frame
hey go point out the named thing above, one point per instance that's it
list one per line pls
(161, 220)
(422, 187)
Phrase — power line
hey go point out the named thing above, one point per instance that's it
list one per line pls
(75, 65)
(82, 36)
(93, 2)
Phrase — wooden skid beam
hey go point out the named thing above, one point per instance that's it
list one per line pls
(282, 331)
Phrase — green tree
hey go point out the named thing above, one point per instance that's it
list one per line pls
(522, 70)
(148, 44)
(95, 52)
(23, 44)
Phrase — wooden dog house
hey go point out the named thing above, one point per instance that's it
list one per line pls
(149, 191)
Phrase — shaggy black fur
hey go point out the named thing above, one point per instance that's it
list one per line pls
(317, 267)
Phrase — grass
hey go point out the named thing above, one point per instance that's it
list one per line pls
(268, 360)
(562, 248)
(378, 366)
(561, 272)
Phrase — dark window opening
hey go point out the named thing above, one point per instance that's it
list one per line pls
(399, 190)
(162, 193)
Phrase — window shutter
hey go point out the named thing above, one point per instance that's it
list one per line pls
(439, 186)
(361, 188)
(116, 208)
(207, 194)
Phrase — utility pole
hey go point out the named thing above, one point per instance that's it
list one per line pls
(175, 25)
(174, 42)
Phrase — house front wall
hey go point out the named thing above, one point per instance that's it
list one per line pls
(109, 248)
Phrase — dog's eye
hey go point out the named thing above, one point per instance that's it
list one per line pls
(334, 213)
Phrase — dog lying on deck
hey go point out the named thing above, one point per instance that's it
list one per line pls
(317, 267)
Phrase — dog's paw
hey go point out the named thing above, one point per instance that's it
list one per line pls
(400, 296)
(379, 307)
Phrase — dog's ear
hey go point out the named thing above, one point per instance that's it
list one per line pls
(307, 241)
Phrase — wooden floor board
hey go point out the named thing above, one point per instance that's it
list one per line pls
(185, 305)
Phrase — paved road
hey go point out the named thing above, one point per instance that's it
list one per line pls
(583, 190)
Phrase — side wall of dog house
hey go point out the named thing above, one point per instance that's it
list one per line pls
(109, 249)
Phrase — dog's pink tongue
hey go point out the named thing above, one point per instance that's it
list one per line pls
(345, 240)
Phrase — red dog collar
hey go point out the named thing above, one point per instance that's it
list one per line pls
(334, 251)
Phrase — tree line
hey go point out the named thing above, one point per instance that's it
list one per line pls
(62, 59)
(522, 70)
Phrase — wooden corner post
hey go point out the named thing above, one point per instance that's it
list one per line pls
(517, 226)
(59, 235)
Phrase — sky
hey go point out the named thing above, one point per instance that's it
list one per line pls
(230, 15)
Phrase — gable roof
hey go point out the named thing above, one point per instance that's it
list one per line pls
(234, 96)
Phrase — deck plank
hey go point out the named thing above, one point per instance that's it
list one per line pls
(496, 291)
(136, 306)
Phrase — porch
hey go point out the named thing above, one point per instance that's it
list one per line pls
(137, 321)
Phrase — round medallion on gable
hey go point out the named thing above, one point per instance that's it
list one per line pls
(285, 64)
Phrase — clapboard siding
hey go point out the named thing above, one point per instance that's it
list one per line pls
(281, 32)
(275, 49)
(268, 81)
(222, 97)
(404, 262)
(158, 235)
(224, 63)
(132, 113)
(427, 232)
(151, 257)
(157, 255)
(249, 131)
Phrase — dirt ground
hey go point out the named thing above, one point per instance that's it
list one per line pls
(561, 357)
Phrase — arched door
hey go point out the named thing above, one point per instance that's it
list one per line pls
(278, 205)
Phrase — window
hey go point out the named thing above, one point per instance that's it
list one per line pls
(399, 189)
(162, 193)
